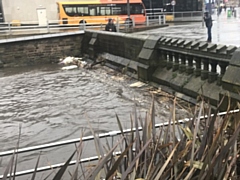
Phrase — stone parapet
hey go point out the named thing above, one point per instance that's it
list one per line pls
(190, 67)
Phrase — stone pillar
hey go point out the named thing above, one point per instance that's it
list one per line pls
(163, 60)
(1, 64)
(212, 76)
(170, 60)
(92, 46)
(148, 56)
(189, 68)
(231, 81)
(197, 71)
(205, 71)
(223, 67)
(176, 62)
(182, 67)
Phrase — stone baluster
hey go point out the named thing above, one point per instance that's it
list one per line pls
(205, 71)
(182, 67)
(170, 60)
(164, 54)
(212, 76)
(189, 68)
(163, 58)
(223, 66)
(176, 62)
(197, 71)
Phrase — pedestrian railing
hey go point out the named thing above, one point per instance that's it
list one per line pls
(153, 17)
(111, 134)
(155, 20)
(56, 26)
(175, 16)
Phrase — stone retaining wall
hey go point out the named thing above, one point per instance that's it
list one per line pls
(39, 49)
(190, 67)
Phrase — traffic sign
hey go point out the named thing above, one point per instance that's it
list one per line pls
(173, 3)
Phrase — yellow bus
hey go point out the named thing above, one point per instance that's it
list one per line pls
(99, 11)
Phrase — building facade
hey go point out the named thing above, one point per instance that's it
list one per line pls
(29, 10)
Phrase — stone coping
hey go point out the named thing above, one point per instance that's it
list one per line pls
(45, 36)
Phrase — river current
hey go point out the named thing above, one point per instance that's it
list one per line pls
(54, 105)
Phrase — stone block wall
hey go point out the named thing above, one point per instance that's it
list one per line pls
(40, 49)
(137, 53)
(231, 81)
(118, 44)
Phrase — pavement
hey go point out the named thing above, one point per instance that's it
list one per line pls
(225, 30)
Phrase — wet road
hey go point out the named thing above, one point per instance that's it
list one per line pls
(224, 31)
(53, 105)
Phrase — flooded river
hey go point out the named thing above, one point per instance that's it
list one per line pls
(52, 105)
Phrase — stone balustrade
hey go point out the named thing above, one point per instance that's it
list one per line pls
(201, 59)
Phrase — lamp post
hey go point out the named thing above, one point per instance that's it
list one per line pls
(128, 9)
(210, 7)
(203, 5)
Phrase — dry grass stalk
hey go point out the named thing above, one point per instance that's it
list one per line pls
(196, 150)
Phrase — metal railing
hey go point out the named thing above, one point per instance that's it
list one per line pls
(175, 16)
(155, 20)
(88, 138)
(153, 17)
(57, 26)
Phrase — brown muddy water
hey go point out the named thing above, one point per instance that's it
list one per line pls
(54, 105)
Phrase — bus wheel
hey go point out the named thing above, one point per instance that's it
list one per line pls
(129, 22)
(83, 21)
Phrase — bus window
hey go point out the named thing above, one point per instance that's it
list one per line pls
(70, 10)
(136, 9)
(124, 10)
(92, 11)
(82, 11)
(116, 10)
(102, 11)
(105, 11)
(108, 10)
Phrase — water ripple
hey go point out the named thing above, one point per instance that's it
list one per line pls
(54, 105)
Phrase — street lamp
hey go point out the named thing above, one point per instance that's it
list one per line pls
(203, 7)
(128, 9)
(210, 7)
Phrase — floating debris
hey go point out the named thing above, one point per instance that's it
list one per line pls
(118, 78)
(69, 60)
(138, 84)
(70, 67)
(82, 64)
(72, 62)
